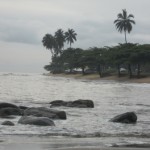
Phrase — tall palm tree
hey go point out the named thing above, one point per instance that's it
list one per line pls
(70, 36)
(124, 22)
(49, 42)
(59, 39)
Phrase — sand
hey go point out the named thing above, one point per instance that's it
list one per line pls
(111, 78)
(24, 142)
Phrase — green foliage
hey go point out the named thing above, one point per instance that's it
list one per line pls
(56, 43)
(124, 22)
(101, 59)
(70, 36)
(71, 58)
(49, 42)
(59, 41)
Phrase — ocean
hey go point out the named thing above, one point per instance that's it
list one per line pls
(91, 125)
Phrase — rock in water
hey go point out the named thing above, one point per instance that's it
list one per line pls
(4, 105)
(45, 112)
(128, 117)
(39, 121)
(83, 103)
(7, 111)
(8, 123)
(77, 103)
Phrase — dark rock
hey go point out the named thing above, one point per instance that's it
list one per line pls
(129, 117)
(57, 102)
(32, 120)
(136, 145)
(4, 105)
(23, 107)
(8, 123)
(5, 112)
(83, 103)
(45, 112)
(77, 103)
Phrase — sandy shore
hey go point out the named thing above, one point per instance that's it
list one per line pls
(19, 142)
(96, 77)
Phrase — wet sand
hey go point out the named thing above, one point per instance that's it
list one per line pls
(111, 78)
(22, 142)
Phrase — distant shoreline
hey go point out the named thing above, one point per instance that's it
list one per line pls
(96, 77)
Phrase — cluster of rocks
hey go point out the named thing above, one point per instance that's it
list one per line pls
(43, 116)
(77, 103)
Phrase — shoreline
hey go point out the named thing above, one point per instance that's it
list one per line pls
(17, 142)
(96, 77)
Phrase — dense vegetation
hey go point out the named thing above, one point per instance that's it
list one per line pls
(133, 58)
(128, 58)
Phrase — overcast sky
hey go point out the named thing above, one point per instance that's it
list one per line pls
(23, 23)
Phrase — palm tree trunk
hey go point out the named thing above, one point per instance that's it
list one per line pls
(52, 53)
(118, 68)
(100, 71)
(138, 70)
(70, 44)
(125, 36)
(83, 71)
(129, 70)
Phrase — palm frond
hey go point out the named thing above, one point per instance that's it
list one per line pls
(123, 22)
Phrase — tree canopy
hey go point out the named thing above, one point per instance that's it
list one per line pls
(131, 56)
(55, 43)
(124, 22)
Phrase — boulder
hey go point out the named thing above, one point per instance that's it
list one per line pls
(8, 123)
(7, 111)
(128, 117)
(83, 103)
(4, 105)
(39, 121)
(77, 103)
(45, 112)
(23, 107)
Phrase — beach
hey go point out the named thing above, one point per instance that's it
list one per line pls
(84, 128)
(97, 77)
(48, 143)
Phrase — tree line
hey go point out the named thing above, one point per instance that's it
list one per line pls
(103, 60)
(55, 43)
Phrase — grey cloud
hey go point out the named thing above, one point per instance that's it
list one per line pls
(91, 20)
(18, 31)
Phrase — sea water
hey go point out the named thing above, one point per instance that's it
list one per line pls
(110, 99)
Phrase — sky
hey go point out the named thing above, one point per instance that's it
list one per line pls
(23, 24)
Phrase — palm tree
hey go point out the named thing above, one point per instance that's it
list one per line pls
(70, 36)
(124, 22)
(49, 42)
(59, 39)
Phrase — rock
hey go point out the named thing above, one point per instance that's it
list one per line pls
(58, 103)
(5, 112)
(4, 105)
(23, 107)
(39, 121)
(45, 112)
(77, 103)
(134, 145)
(83, 103)
(129, 117)
(8, 123)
